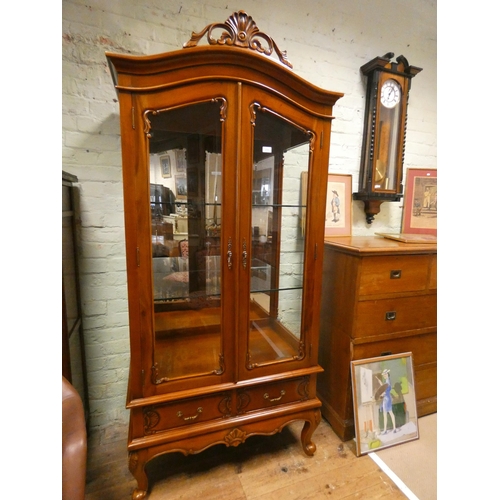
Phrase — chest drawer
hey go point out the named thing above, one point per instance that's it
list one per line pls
(426, 382)
(377, 317)
(423, 348)
(158, 418)
(269, 395)
(393, 274)
(433, 273)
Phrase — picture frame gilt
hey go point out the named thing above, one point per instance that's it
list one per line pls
(166, 166)
(385, 407)
(180, 160)
(338, 210)
(180, 187)
(420, 202)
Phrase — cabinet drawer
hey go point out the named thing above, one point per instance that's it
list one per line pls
(379, 275)
(158, 418)
(433, 274)
(377, 317)
(422, 347)
(426, 381)
(269, 395)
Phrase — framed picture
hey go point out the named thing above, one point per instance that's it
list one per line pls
(180, 160)
(180, 187)
(338, 213)
(166, 168)
(385, 407)
(420, 202)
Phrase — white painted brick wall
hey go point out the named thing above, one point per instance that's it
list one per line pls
(326, 42)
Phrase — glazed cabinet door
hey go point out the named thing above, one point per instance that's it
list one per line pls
(183, 191)
(277, 244)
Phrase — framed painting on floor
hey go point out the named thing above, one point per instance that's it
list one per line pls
(385, 407)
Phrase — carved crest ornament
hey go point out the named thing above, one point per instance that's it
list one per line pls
(239, 30)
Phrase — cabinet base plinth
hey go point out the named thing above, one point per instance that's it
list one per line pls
(233, 433)
(344, 428)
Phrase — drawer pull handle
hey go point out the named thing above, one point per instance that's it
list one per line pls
(395, 274)
(181, 415)
(282, 393)
(390, 315)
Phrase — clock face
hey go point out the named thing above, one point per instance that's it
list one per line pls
(390, 94)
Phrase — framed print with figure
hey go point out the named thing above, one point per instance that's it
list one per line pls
(385, 406)
(181, 187)
(420, 202)
(338, 212)
(180, 160)
(166, 168)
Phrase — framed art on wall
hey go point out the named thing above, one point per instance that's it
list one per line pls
(420, 202)
(180, 187)
(385, 408)
(180, 160)
(338, 212)
(166, 168)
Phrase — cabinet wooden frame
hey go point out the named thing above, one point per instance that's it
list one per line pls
(237, 394)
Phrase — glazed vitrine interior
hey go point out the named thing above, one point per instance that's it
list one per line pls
(188, 290)
(225, 159)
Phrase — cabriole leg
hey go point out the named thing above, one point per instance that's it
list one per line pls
(307, 432)
(136, 463)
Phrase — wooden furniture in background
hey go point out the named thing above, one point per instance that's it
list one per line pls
(379, 297)
(224, 338)
(74, 444)
(73, 351)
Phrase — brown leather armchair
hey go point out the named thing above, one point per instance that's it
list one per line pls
(74, 444)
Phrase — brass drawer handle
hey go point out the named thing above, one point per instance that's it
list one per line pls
(181, 415)
(282, 393)
(390, 315)
(395, 274)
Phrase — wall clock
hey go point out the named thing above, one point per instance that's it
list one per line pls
(382, 155)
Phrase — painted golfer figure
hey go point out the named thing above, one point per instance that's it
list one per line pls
(387, 400)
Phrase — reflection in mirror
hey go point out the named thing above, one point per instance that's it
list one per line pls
(280, 165)
(185, 188)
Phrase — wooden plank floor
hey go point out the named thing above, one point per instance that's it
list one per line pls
(264, 467)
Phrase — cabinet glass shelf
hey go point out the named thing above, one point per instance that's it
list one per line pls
(172, 278)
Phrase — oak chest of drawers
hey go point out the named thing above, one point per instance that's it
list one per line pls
(379, 297)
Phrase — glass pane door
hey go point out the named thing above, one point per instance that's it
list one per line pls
(279, 179)
(386, 154)
(186, 220)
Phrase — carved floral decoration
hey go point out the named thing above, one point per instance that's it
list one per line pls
(235, 437)
(240, 30)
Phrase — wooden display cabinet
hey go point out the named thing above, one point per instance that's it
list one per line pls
(224, 337)
(379, 297)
